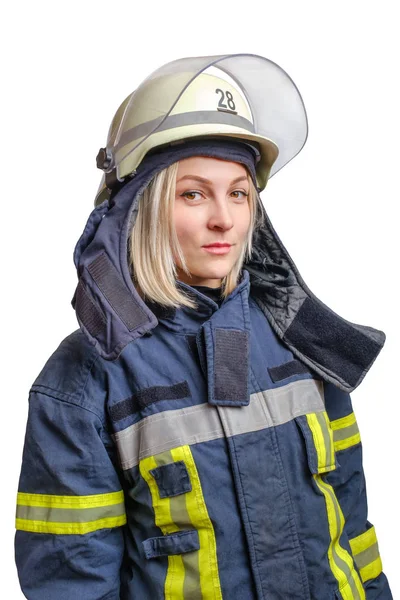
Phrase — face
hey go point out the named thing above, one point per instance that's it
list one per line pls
(211, 206)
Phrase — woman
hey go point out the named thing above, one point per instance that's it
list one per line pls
(195, 438)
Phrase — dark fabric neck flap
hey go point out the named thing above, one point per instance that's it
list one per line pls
(112, 314)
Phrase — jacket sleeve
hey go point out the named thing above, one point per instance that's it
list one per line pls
(348, 483)
(70, 507)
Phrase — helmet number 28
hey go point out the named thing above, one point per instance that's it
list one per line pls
(229, 98)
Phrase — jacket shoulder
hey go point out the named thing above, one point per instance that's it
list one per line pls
(69, 373)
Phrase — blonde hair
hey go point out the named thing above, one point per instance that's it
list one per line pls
(153, 242)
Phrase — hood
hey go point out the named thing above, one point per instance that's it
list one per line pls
(111, 313)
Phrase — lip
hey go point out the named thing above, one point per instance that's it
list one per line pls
(218, 249)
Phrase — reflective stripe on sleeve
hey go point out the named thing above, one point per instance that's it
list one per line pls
(45, 513)
(366, 554)
(345, 432)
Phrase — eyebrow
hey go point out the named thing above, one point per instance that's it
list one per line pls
(204, 180)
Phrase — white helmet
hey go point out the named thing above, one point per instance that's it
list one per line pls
(239, 95)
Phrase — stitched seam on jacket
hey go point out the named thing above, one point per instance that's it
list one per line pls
(77, 400)
(291, 516)
(64, 401)
(95, 359)
(232, 439)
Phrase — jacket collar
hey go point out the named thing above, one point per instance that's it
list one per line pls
(188, 320)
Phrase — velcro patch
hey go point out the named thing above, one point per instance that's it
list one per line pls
(228, 384)
(127, 407)
(287, 369)
(314, 322)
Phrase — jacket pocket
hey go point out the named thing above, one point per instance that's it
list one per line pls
(181, 513)
(318, 436)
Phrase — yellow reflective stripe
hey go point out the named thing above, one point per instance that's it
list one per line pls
(46, 513)
(50, 501)
(161, 506)
(178, 580)
(363, 541)
(340, 561)
(372, 570)
(69, 528)
(198, 513)
(366, 554)
(345, 432)
(346, 443)
(162, 513)
(343, 422)
(323, 440)
(181, 518)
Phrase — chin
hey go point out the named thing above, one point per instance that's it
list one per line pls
(211, 274)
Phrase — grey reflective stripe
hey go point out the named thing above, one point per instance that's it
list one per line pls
(327, 439)
(367, 556)
(69, 515)
(345, 432)
(201, 423)
(163, 431)
(274, 407)
(182, 119)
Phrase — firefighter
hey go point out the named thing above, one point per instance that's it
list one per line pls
(195, 438)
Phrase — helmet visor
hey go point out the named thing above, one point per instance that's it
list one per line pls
(275, 108)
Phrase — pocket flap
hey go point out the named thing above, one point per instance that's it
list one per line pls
(175, 543)
(318, 436)
(172, 479)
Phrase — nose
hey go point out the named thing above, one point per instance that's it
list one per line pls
(221, 216)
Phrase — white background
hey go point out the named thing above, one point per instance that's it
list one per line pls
(66, 67)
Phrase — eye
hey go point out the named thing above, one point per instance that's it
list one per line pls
(239, 194)
(191, 195)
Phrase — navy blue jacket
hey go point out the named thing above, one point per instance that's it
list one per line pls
(197, 454)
